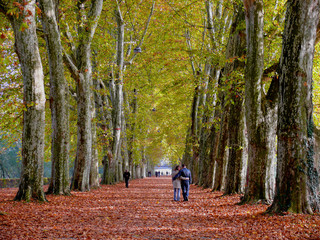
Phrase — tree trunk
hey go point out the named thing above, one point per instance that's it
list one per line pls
(223, 138)
(297, 181)
(190, 157)
(137, 171)
(143, 163)
(118, 98)
(26, 43)
(257, 145)
(235, 49)
(125, 126)
(97, 101)
(208, 148)
(107, 177)
(130, 143)
(244, 159)
(83, 64)
(204, 116)
(84, 143)
(104, 117)
(208, 151)
(270, 118)
(59, 183)
(94, 168)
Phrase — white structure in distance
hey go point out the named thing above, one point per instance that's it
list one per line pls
(162, 169)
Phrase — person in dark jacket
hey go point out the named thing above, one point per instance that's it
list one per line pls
(126, 176)
(184, 173)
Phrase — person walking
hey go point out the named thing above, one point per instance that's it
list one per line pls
(186, 180)
(126, 176)
(176, 184)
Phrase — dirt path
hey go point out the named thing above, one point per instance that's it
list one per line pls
(146, 210)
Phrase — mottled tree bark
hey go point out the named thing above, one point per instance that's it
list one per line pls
(133, 129)
(104, 118)
(297, 181)
(220, 157)
(191, 151)
(118, 98)
(82, 72)
(217, 24)
(204, 116)
(257, 145)
(210, 96)
(107, 126)
(26, 43)
(235, 49)
(270, 110)
(94, 168)
(125, 125)
(59, 183)
(208, 141)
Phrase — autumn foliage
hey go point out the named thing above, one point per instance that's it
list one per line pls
(146, 210)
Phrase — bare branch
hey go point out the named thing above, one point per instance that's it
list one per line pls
(147, 25)
(71, 66)
(187, 35)
(93, 16)
(144, 32)
(68, 34)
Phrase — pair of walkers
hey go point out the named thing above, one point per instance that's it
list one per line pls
(181, 179)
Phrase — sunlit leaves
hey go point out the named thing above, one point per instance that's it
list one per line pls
(316, 86)
(11, 88)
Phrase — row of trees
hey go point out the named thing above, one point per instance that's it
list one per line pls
(252, 125)
(82, 80)
(114, 105)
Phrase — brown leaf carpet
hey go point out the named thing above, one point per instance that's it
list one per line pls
(146, 210)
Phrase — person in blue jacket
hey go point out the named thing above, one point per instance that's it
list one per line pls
(185, 176)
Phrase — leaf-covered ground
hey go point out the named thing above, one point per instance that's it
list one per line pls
(146, 210)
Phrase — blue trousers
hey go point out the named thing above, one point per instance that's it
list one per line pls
(176, 194)
(185, 185)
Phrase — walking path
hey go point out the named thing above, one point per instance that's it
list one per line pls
(146, 210)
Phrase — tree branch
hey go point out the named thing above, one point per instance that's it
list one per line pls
(70, 65)
(144, 33)
(272, 68)
(273, 92)
(187, 35)
(93, 16)
(70, 42)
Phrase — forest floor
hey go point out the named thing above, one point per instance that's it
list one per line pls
(146, 210)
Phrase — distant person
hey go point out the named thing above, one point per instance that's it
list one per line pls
(176, 184)
(186, 179)
(126, 176)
